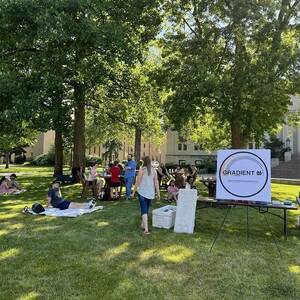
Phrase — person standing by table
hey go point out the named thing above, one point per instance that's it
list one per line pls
(115, 180)
(130, 172)
(146, 186)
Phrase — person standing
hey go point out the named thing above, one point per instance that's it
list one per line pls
(130, 170)
(146, 185)
(115, 180)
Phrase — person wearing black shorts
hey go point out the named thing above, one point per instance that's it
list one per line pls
(115, 180)
(56, 200)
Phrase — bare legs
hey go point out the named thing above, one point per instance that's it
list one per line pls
(114, 191)
(144, 224)
(78, 205)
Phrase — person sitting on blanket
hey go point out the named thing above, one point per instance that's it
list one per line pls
(4, 187)
(56, 200)
(13, 183)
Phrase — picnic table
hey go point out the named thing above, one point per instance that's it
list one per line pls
(260, 207)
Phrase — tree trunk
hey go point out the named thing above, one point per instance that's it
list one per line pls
(79, 127)
(6, 160)
(137, 144)
(236, 139)
(59, 154)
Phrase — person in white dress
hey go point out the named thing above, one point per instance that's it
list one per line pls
(146, 186)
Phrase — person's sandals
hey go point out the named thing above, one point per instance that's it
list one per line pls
(146, 232)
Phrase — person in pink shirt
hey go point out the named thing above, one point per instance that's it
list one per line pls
(4, 188)
(172, 191)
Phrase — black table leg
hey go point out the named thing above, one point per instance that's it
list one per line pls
(284, 225)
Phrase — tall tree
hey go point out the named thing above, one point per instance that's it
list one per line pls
(232, 60)
(84, 39)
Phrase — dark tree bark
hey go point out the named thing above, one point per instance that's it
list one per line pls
(236, 138)
(59, 154)
(137, 144)
(6, 160)
(79, 127)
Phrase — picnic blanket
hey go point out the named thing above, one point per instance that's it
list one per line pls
(70, 212)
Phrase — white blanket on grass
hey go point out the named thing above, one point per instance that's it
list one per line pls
(70, 212)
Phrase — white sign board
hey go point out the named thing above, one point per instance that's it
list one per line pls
(185, 211)
(244, 175)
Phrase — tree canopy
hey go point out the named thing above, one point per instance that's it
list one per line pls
(77, 42)
(234, 60)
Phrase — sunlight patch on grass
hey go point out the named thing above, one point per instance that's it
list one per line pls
(114, 252)
(8, 216)
(294, 269)
(174, 253)
(147, 254)
(9, 253)
(30, 296)
(3, 232)
(102, 224)
(126, 284)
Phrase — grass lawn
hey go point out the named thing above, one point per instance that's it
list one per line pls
(105, 255)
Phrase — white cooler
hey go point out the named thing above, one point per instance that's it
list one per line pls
(186, 210)
(164, 217)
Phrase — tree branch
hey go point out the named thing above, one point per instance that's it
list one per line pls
(189, 26)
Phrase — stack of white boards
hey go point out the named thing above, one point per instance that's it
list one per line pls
(185, 211)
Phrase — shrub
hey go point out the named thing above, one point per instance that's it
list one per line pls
(43, 160)
(91, 160)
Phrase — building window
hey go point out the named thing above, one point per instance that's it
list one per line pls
(198, 147)
(89, 151)
(144, 154)
(99, 150)
(94, 150)
(179, 147)
(144, 145)
(184, 147)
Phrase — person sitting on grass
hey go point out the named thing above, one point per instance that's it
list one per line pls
(190, 183)
(4, 187)
(56, 200)
(92, 179)
(172, 191)
(180, 178)
(13, 184)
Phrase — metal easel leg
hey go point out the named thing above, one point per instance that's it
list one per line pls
(221, 227)
(247, 223)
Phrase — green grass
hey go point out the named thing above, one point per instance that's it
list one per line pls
(105, 256)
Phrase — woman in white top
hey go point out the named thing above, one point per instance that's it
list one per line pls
(146, 185)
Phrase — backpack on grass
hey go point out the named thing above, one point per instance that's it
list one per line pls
(37, 208)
